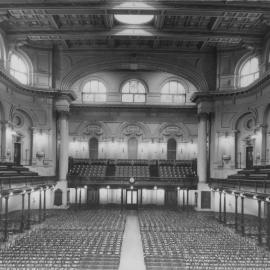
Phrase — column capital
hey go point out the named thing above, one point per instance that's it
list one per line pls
(205, 107)
(63, 101)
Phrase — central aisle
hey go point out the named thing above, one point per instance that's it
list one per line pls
(132, 250)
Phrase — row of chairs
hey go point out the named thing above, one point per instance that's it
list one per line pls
(128, 171)
(176, 171)
(192, 240)
(86, 239)
(88, 170)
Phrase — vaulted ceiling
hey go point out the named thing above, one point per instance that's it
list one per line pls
(177, 25)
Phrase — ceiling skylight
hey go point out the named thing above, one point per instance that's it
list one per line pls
(133, 19)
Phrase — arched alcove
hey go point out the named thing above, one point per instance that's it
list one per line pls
(132, 148)
(171, 149)
(93, 148)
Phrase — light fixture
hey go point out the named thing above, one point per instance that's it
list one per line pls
(178, 188)
(131, 187)
(85, 187)
(155, 187)
(133, 18)
(108, 187)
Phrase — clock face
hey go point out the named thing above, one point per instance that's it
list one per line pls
(131, 180)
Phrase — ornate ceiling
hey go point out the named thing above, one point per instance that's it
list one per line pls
(177, 25)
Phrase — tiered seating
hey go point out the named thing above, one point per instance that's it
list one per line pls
(178, 171)
(70, 240)
(12, 170)
(132, 171)
(191, 240)
(256, 173)
(88, 170)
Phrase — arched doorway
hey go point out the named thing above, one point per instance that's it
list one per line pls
(93, 148)
(132, 148)
(171, 149)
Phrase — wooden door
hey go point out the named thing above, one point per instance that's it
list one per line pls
(17, 153)
(132, 199)
(171, 149)
(249, 157)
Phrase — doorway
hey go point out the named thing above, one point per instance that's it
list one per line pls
(171, 198)
(132, 199)
(17, 153)
(249, 157)
(93, 148)
(132, 148)
(171, 149)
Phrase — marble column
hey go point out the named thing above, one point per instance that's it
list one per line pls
(202, 148)
(63, 153)
(4, 125)
(62, 107)
(264, 144)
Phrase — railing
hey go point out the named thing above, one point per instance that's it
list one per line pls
(240, 184)
(139, 181)
(27, 181)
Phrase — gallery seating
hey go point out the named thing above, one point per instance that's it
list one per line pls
(190, 240)
(132, 171)
(179, 171)
(88, 239)
(88, 170)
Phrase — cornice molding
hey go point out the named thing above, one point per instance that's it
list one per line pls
(215, 95)
(6, 79)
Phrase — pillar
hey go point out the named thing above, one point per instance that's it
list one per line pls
(264, 144)
(242, 216)
(40, 206)
(202, 148)
(268, 224)
(80, 197)
(44, 204)
(62, 107)
(22, 214)
(259, 222)
(76, 197)
(187, 198)
(29, 210)
(236, 213)
(6, 219)
(183, 198)
(224, 208)
(63, 154)
(4, 125)
(219, 214)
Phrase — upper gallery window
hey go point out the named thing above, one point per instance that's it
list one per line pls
(19, 68)
(94, 91)
(249, 72)
(173, 92)
(133, 91)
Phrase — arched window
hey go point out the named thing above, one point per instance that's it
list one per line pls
(133, 91)
(249, 72)
(19, 68)
(173, 92)
(94, 91)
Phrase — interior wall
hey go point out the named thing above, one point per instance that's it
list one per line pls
(151, 128)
